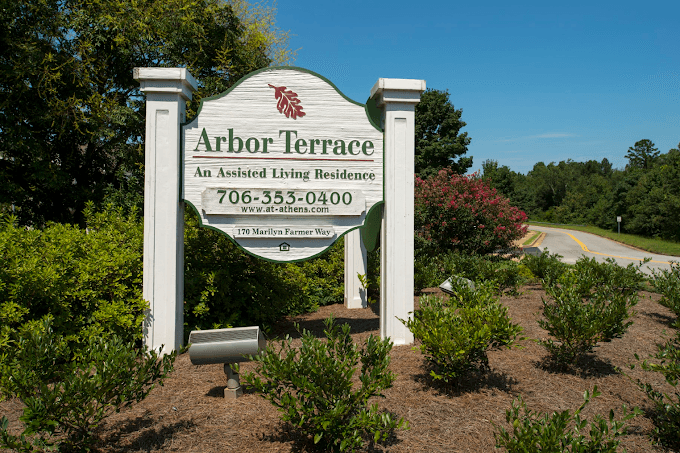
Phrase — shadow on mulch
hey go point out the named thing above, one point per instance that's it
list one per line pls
(303, 444)
(588, 366)
(472, 381)
(316, 326)
(149, 438)
(661, 318)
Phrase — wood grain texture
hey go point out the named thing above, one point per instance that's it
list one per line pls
(247, 117)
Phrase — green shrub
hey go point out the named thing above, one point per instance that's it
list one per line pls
(546, 266)
(561, 432)
(592, 275)
(431, 271)
(226, 287)
(666, 415)
(455, 335)
(322, 279)
(89, 280)
(667, 283)
(579, 322)
(66, 400)
(313, 389)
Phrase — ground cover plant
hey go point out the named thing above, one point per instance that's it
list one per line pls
(561, 431)
(547, 266)
(314, 391)
(456, 334)
(65, 400)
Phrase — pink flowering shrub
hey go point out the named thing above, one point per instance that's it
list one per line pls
(455, 212)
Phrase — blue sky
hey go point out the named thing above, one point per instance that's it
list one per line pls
(537, 80)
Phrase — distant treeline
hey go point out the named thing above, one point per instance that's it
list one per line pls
(646, 193)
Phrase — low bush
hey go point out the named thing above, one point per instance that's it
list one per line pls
(89, 280)
(312, 387)
(667, 283)
(66, 400)
(578, 322)
(561, 431)
(546, 266)
(455, 334)
(666, 414)
(225, 286)
(593, 275)
(506, 275)
(455, 212)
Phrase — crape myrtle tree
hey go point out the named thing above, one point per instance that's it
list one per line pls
(438, 140)
(71, 114)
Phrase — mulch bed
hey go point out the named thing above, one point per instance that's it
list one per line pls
(190, 414)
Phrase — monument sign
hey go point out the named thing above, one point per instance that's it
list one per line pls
(283, 163)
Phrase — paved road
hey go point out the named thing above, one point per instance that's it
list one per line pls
(573, 244)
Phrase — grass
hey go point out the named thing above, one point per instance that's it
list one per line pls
(652, 245)
(532, 238)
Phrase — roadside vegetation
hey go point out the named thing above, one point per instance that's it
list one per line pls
(645, 194)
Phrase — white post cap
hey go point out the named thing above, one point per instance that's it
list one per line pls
(166, 80)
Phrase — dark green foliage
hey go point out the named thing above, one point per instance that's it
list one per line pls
(546, 266)
(645, 194)
(226, 287)
(455, 334)
(561, 431)
(667, 282)
(88, 280)
(666, 415)
(431, 271)
(438, 140)
(321, 280)
(580, 315)
(313, 389)
(66, 400)
(71, 112)
(652, 201)
(642, 155)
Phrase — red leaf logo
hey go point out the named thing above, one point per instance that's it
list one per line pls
(288, 103)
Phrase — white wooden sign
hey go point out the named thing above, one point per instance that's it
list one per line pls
(283, 163)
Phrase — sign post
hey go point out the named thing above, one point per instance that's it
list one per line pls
(166, 90)
(397, 98)
(356, 262)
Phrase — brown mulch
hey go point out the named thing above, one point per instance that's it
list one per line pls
(190, 414)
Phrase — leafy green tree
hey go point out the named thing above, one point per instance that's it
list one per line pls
(438, 138)
(500, 178)
(71, 114)
(653, 204)
(642, 155)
